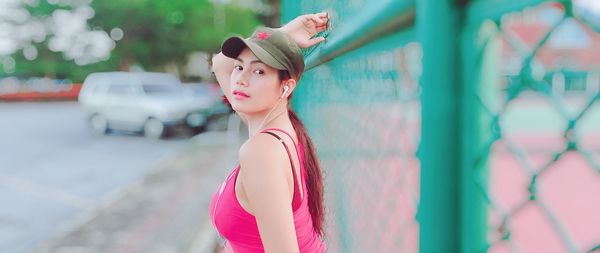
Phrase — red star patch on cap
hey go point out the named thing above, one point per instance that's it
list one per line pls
(262, 35)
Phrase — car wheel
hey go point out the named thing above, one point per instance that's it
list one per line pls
(198, 129)
(195, 120)
(99, 124)
(154, 128)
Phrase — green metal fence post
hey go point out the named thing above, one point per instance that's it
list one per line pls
(479, 59)
(438, 27)
(376, 21)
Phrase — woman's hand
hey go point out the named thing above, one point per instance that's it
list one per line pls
(304, 27)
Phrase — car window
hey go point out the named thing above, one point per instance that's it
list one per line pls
(97, 88)
(161, 89)
(121, 89)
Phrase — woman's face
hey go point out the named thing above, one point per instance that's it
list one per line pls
(255, 86)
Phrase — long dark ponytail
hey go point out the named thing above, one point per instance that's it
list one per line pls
(314, 180)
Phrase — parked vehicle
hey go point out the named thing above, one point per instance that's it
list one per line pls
(145, 102)
(210, 91)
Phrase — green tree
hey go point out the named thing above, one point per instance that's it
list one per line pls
(157, 32)
(154, 33)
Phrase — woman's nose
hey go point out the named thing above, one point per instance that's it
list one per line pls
(242, 79)
(241, 82)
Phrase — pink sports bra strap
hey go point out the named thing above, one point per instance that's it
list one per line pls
(297, 197)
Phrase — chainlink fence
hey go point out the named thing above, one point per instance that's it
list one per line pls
(527, 126)
(544, 133)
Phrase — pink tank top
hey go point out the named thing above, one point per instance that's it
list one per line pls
(239, 227)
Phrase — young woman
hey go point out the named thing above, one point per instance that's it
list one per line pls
(273, 200)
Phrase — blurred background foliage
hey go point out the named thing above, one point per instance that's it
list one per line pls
(149, 35)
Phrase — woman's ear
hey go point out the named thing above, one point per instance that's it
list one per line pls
(291, 83)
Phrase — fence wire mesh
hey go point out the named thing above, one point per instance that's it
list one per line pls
(362, 110)
(538, 169)
(544, 136)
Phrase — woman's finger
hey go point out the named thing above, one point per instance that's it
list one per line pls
(316, 19)
(321, 14)
(315, 41)
(321, 28)
(324, 18)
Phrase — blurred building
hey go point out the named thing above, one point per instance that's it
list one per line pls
(570, 60)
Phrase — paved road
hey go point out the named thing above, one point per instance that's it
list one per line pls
(53, 169)
(167, 212)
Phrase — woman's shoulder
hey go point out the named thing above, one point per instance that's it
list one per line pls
(262, 162)
(262, 147)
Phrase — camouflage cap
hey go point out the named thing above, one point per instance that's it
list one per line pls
(272, 47)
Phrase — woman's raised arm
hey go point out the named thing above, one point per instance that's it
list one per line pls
(222, 67)
(301, 29)
(304, 27)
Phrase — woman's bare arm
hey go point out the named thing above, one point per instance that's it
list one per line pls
(264, 175)
(300, 29)
(222, 67)
(304, 27)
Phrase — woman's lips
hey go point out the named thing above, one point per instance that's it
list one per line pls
(240, 95)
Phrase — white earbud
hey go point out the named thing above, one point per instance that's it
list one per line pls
(285, 90)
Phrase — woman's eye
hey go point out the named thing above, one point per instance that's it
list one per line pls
(237, 67)
(259, 71)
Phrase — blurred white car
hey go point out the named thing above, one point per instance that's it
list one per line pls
(142, 101)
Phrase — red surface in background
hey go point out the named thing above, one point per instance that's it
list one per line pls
(568, 192)
(34, 96)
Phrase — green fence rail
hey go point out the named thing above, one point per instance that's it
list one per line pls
(450, 126)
